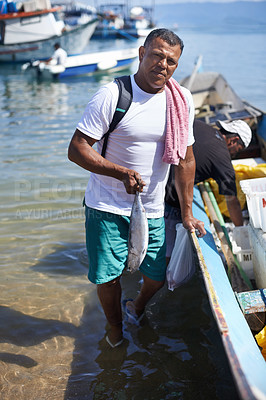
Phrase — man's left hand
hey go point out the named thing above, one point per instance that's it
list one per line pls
(194, 225)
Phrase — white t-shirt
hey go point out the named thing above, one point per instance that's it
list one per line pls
(136, 143)
(60, 56)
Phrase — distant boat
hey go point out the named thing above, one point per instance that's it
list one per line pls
(116, 21)
(32, 33)
(75, 13)
(215, 99)
(140, 21)
(86, 64)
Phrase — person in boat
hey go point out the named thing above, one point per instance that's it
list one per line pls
(213, 150)
(134, 162)
(59, 56)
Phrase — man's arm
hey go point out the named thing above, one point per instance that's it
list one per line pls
(184, 182)
(234, 209)
(80, 151)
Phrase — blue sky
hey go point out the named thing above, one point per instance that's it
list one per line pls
(196, 1)
(151, 2)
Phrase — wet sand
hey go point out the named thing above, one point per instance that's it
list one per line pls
(53, 346)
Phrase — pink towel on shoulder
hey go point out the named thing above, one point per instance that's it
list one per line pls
(177, 123)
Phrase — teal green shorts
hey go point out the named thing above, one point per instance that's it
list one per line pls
(106, 241)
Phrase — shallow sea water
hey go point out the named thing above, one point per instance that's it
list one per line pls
(51, 325)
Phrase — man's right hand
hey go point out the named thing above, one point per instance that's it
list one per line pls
(133, 182)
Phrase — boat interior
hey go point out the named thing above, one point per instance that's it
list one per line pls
(215, 100)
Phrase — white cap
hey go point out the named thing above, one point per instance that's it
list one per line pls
(240, 127)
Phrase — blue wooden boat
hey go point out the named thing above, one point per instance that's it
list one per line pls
(85, 64)
(215, 100)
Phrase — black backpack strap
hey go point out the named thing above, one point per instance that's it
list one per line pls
(123, 104)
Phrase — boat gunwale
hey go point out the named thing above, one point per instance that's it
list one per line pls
(237, 372)
(26, 14)
(128, 55)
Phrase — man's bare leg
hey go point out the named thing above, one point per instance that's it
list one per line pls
(110, 297)
(148, 289)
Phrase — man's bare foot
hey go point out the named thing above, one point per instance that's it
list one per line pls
(115, 335)
(130, 305)
(133, 315)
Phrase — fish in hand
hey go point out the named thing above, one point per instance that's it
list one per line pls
(138, 235)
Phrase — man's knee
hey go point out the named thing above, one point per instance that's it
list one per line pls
(111, 283)
(152, 284)
(159, 285)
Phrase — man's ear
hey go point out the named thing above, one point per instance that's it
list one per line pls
(235, 139)
(231, 140)
(141, 52)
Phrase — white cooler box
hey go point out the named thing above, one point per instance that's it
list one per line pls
(258, 245)
(255, 191)
(242, 249)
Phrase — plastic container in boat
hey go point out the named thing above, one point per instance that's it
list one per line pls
(258, 245)
(242, 249)
(255, 191)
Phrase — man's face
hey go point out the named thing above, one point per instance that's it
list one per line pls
(234, 146)
(158, 62)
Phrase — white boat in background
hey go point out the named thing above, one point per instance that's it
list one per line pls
(140, 21)
(85, 64)
(31, 33)
(75, 13)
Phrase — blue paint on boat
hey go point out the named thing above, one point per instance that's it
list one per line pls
(80, 70)
(262, 127)
(91, 68)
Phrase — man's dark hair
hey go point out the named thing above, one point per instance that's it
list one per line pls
(165, 34)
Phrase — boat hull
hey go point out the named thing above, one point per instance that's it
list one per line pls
(93, 68)
(73, 41)
(91, 63)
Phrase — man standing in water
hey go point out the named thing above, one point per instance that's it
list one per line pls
(134, 162)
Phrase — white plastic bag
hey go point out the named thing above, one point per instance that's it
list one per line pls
(182, 265)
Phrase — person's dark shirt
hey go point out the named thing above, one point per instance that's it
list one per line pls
(212, 161)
